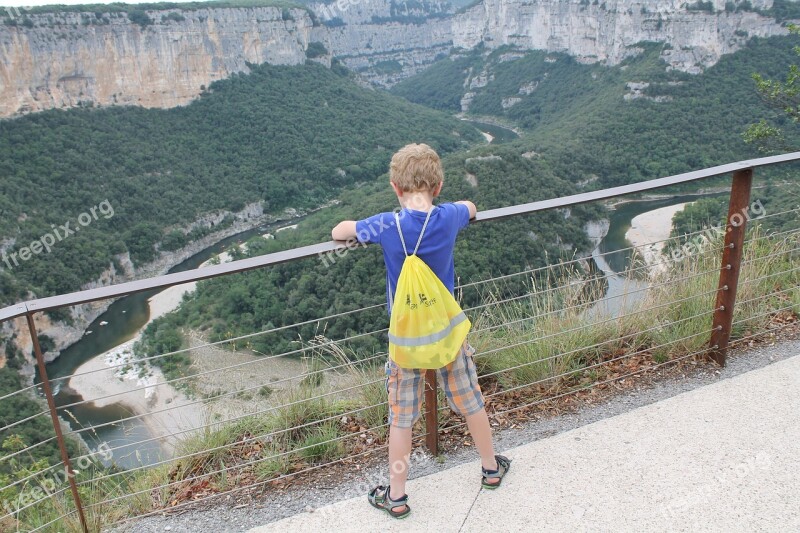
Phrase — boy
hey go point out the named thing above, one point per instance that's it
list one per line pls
(416, 176)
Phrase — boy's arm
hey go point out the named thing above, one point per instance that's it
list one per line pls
(472, 209)
(344, 231)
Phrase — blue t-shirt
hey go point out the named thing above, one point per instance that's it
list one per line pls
(436, 248)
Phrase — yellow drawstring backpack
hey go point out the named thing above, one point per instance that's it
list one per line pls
(427, 327)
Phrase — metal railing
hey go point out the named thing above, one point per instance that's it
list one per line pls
(535, 347)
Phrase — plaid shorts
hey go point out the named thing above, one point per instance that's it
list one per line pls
(406, 387)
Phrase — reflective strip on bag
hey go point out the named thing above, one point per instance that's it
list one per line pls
(429, 339)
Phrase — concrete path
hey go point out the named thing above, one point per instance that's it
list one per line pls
(725, 457)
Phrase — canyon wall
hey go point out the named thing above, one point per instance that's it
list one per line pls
(65, 61)
(62, 60)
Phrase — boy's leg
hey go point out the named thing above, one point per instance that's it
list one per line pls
(460, 382)
(405, 388)
(481, 432)
(399, 452)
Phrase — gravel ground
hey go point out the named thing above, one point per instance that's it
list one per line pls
(229, 517)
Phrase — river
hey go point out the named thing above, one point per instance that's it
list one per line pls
(613, 257)
(497, 134)
(124, 318)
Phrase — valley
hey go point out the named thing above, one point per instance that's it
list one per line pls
(207, 126)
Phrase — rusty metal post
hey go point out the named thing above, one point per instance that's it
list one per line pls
(431, 413)
(51, 404)
(736, 224)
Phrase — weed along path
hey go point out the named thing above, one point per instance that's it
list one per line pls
(722, 457)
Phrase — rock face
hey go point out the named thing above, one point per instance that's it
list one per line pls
(74, 59)
(388, 52)
(608, 31)
(63, 61)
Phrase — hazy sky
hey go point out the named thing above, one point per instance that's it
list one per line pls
(19, 3)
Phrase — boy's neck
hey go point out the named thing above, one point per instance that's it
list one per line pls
(417, 201)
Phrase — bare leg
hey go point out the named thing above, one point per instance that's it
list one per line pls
(481, 432)
(399, 451)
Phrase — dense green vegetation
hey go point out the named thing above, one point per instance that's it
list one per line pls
(778, 204)
(782, 96)
(249, 138)
(580, 122)
(784, 10)
(20, 407)
(437, 86)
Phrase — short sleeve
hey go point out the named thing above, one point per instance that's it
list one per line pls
(462, 215)
(369, 230)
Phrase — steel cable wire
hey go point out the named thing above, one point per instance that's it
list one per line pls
(51, 522)
(291, 378)
(237, 443)
(236, 467)
(587, 387)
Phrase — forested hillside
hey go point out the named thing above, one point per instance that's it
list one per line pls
(778, 204)
(283, 136)
(623, 124)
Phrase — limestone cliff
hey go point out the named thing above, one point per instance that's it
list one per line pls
(72, 59)
(609, 31)
(379, 40)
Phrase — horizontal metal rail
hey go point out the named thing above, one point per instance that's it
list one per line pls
(315, 250)
(329, 342)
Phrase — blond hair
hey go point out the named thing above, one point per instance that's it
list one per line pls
(416, 168)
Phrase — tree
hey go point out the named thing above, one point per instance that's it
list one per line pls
(784, 96)
(138, 16)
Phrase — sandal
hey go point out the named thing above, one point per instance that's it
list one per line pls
(379, 498)
(503, 466)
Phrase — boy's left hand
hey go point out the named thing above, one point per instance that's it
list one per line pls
(344, 231)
